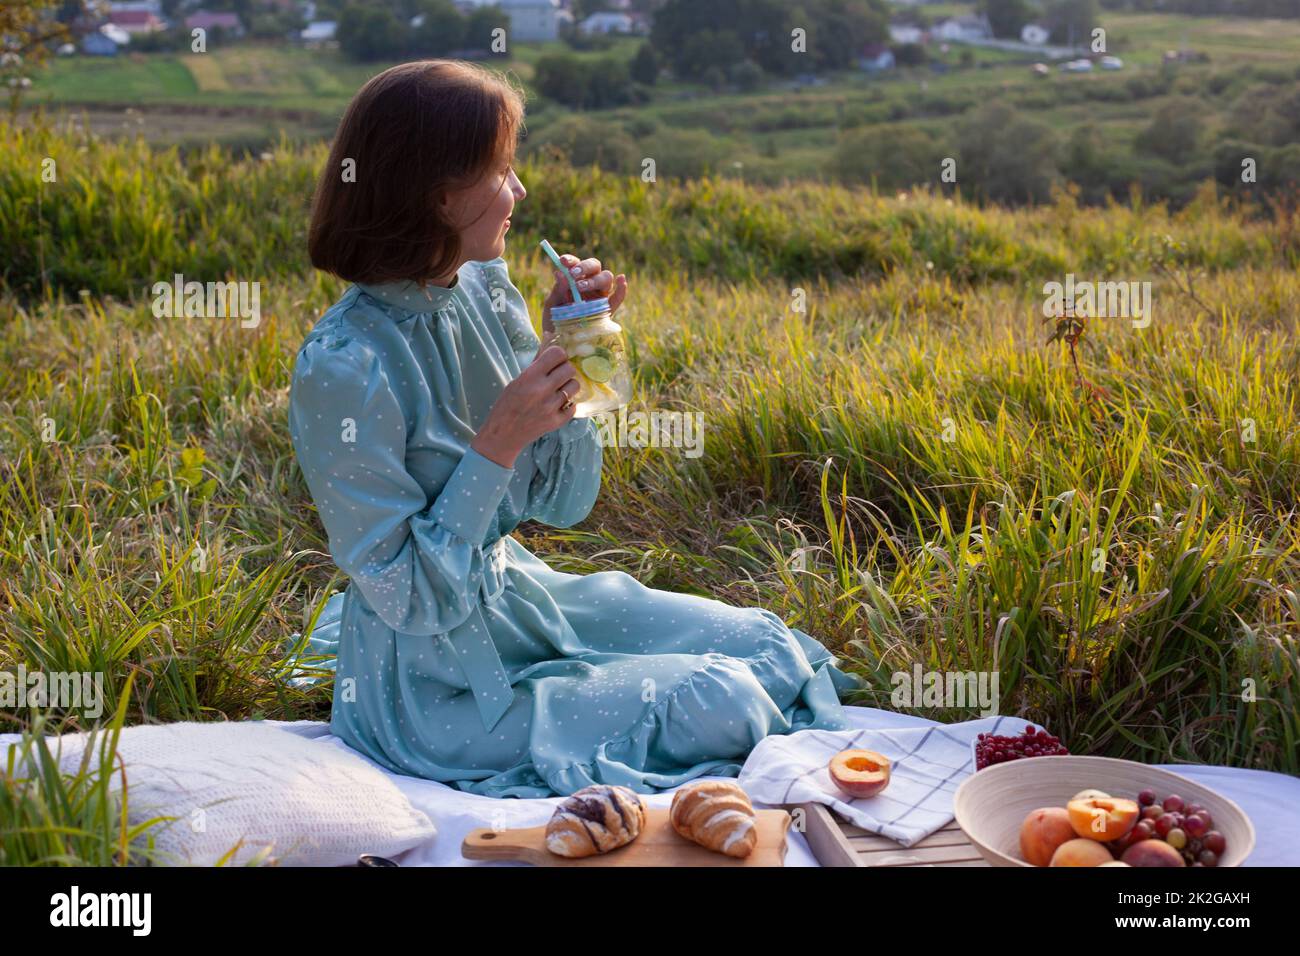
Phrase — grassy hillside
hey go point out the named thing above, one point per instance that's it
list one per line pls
(904, 469)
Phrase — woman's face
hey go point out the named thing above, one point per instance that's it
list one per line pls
(484, 213)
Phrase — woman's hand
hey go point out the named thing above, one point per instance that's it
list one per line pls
(599, 283)
(532, 404)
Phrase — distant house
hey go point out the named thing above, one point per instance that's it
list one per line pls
(900, 33)
(1077, 66)
(607, 21)
(322, 31)
(98, 43)
(136, 21)
(961, 29)
(1112, 63)
(875, 58)
(206, 20)
(532, 19)
(1035, 34)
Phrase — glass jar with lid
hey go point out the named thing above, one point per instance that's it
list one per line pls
(594, 343)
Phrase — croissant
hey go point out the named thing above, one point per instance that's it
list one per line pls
(717, 815)
(595, 819)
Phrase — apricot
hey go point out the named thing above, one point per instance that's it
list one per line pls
(1081, 852)
(860, 773)
(1152, 853)
(1043, 831)
(1090, 795)
(1102, 819)
(1115, 863)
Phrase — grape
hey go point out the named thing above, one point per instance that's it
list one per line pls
(1145, 830)
(1208, 858)
(1146, 798)
(1195, 825)
(991, 748)
(1164, 824)
(1173, 803)
(1176, 838)
(1214, 842)
(1153, 812)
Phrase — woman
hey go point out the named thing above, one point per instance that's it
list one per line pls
(429, 421)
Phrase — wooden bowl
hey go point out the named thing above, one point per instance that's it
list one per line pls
(992, 803)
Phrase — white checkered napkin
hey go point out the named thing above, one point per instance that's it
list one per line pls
(928, 764)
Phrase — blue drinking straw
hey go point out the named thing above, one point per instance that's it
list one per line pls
(555, 258)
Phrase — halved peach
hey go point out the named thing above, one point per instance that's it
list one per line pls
(860, 773)
(1102, 819)
(1080, 852)
(1043, 831)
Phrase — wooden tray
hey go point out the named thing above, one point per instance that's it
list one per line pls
(836, 842)
(658, 845)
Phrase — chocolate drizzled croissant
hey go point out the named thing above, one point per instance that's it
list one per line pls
(717, 815)
(595, 819)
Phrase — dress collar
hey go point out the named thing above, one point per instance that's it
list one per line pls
(409, 296)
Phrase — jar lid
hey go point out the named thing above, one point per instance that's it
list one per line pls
(579, 310)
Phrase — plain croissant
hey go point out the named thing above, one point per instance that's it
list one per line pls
(717, 815)
(595, 819)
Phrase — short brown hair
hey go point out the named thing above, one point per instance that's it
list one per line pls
(415, 132)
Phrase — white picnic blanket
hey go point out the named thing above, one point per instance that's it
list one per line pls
(1272, 800)
(929, 761)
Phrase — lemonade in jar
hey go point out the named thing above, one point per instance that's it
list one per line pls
(594, 343)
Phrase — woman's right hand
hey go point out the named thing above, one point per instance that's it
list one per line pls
(529, 406)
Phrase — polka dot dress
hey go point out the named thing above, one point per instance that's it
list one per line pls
(462, 657)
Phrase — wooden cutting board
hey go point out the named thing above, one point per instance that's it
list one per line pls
(658, 845)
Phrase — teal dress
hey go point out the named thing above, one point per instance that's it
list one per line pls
(458, 655)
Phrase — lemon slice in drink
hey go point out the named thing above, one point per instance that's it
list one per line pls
(598, 368)
(586, 390)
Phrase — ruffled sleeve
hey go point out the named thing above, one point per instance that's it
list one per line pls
(567, 480)
(417, 562)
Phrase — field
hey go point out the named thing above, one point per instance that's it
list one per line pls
(905, 469)
(247, 96)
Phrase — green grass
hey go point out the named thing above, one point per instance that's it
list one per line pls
(905, 469)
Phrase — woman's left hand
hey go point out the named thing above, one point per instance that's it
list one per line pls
(593, 283)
